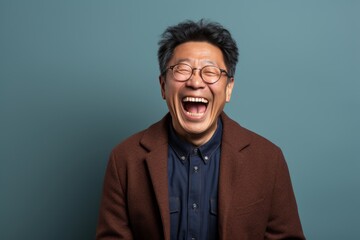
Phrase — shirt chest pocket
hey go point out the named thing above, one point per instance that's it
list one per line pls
(174, 215)
(174, 205)
(213, 206)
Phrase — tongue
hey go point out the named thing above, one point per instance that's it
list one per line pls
(195, 107)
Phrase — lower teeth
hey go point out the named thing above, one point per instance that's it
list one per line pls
(194, 114)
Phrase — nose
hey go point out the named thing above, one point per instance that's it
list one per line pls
(195, 80)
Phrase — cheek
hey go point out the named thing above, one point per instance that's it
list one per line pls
(172, 90)
(220, 93)
(166, 90)
(170, 96)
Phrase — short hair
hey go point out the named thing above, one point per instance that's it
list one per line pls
(201, 31)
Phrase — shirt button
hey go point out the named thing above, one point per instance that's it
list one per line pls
(196, 169)
(195, 150)
(194, 206)
(182, 157)
(193, 238)
(206, 158)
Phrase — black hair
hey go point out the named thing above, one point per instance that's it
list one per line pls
(201, 31)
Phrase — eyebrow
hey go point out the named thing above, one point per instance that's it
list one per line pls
(187, 60)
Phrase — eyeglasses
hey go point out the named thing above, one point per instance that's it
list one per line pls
(209, 74)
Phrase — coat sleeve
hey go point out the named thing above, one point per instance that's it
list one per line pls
(113, 220)
(284, 221)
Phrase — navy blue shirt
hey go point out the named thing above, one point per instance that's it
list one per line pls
(193, 187)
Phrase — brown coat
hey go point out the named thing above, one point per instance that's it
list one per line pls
(256, 199)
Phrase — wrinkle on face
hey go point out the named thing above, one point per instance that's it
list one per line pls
(195, 105)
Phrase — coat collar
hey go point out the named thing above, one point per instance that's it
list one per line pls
(234, 135)
(156, 135)
(155, 141)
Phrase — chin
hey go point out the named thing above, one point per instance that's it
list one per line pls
(196, 128)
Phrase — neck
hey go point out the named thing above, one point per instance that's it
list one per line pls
(196, 139)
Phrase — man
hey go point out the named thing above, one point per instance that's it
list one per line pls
(197, 174)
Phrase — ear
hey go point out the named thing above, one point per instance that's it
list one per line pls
(162, 86)
(229, 88)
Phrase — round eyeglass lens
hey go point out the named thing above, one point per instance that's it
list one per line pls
(210, 74)
(182, 72)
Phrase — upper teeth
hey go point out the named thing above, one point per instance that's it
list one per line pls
(195, 99)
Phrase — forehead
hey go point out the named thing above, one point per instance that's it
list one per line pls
(194, 52)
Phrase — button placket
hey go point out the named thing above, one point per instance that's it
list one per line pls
(194, 194)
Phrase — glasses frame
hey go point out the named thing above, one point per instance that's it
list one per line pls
(200, 72)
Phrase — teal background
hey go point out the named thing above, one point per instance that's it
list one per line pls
(77, 77)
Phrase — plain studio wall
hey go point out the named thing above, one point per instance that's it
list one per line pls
(77, 77)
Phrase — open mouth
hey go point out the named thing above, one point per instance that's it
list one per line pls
(195, 106)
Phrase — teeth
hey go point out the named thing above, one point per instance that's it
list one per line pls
(195, 99)
(195, 114)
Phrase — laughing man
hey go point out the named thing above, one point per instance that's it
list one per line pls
(197, 174)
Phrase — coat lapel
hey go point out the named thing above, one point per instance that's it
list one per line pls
(234, 140)
(155, 141)
(157, 165)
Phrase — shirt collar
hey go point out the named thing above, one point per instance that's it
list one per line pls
(184, 149)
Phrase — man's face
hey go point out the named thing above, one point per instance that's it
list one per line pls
(195, 105)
